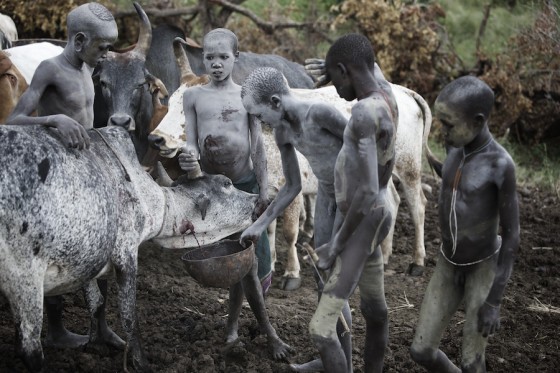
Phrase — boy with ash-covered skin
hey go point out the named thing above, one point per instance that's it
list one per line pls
(477, 201)
(320, 132)
(227, 140)
(315, 130)
(62, 93)
(362, 172)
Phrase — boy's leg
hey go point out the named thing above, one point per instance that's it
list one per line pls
(234, 309)
(477, 287)
(374, 310)
(253, 293)
(441, 299)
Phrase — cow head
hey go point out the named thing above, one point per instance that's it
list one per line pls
(123, 88)
(12, 86)
(204, 210)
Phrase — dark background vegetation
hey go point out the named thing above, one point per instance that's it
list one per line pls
(513, 45)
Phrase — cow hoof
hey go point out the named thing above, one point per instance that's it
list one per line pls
(110, 338)
(415, 269)
(66, 340)
(290, 283)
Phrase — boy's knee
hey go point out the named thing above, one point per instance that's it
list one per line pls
(374, 312)
(424, 356)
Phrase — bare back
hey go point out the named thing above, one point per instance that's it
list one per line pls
(318, 138)
(222, 132)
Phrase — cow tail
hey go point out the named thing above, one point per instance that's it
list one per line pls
(435, 164)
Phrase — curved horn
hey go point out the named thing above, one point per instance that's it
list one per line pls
(145, 32)
(163, 177)
(182, 60)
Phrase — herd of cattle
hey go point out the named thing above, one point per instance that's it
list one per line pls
(69, 216)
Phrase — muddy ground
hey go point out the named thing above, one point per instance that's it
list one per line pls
(182, 322)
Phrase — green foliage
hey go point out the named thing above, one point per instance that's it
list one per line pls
(463, 20)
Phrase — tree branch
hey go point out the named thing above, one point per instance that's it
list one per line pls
(267, 27)
(160, 13)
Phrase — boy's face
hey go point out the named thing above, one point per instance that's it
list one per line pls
(458, 128)
(340, 79)
(219, 58)
(265, 112)
(95, 46)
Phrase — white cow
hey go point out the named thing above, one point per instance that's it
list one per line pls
(412, 134)
(27, 57)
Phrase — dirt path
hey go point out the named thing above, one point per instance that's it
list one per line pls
(182, 323)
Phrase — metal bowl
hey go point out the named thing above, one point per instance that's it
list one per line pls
(220, 264)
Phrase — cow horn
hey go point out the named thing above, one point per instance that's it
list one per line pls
(163, 177)
(187, 74)
(145, 32)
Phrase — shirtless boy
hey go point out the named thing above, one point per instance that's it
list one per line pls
(362, 172)
(226, 140)
(61, 92)
(315, 129)
(477, 200)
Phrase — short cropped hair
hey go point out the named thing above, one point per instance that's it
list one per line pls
(218, 32)
(351, 50)
(264, 82)
(471, 94)
(89, 17)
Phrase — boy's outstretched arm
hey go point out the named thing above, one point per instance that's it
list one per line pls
(188, 159)
(73, 133)
(258, 156)
(285, 196)
(488, 315)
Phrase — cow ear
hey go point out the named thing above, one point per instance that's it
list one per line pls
(156, 84)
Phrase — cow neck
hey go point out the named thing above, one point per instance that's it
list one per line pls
(116, 154)
(165, 210)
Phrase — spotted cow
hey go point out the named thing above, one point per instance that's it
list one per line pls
(69, 216)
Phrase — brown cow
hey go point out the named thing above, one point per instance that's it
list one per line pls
(12, 86)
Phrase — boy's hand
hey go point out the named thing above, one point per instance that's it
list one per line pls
(488, 319)
(316, 68)
(327, 255)
(249, 234)
(260, 207)
(187, 160)
(73, 133)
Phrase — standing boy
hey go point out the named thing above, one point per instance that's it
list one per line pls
(362, 172)
(227, 140)
(62, 92)
(477, 201)
(315, 129)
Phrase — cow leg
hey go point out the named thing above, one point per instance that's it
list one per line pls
(306, 231)
(291, 279)
(24, 291)
(272, 243)
(57, 335)
(394, 201)
(100, 332)
(126, 283)
(416, 201)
